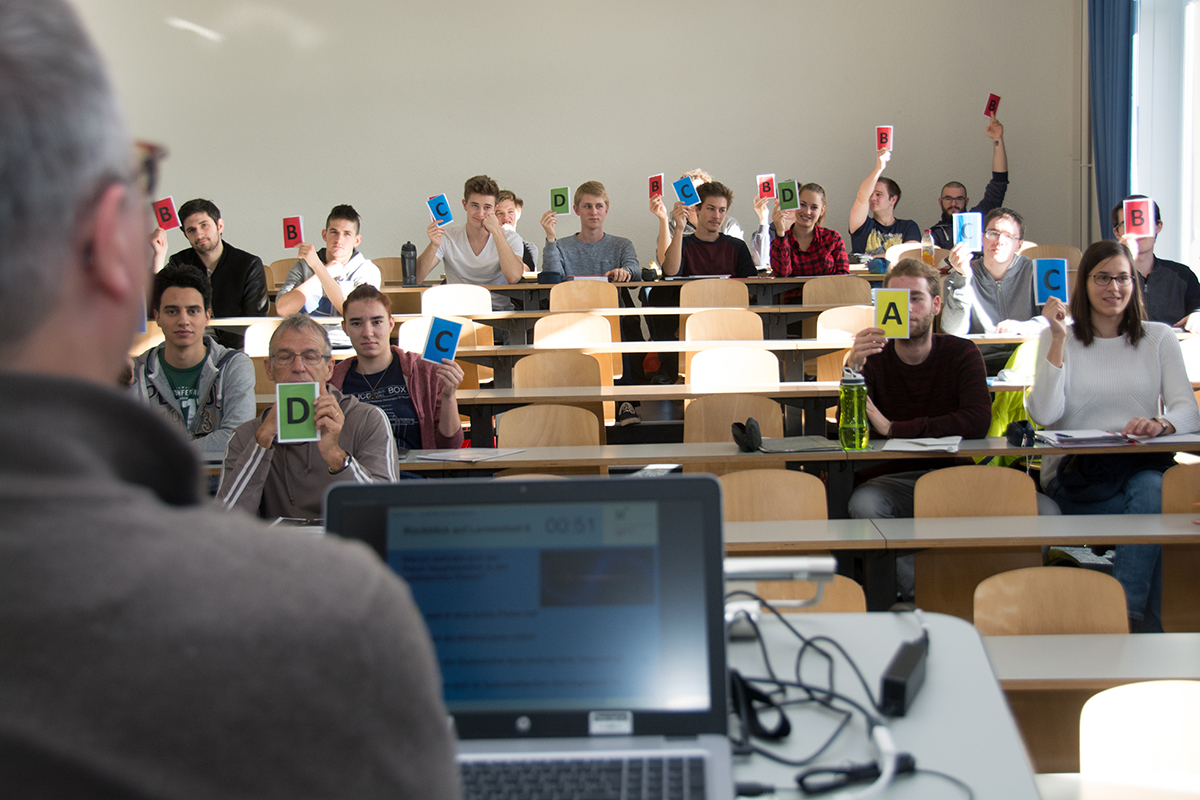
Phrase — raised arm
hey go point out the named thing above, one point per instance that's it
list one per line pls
(862, 201)
(664, 229)
(995, 132)
(429, 256)
(674, 255)
(510, 263)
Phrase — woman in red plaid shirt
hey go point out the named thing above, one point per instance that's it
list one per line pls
(800, 245)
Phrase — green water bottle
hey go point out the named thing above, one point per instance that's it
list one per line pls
(853, 427)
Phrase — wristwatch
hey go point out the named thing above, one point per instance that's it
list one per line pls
(342, 468)
(1162, 421)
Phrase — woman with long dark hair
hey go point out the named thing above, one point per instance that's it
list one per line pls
(1106, 368)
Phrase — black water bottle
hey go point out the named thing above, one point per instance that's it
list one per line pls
(408, 263)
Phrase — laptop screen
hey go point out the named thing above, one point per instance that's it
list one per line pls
(559, 599)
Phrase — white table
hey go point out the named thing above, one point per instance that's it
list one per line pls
(959, 723)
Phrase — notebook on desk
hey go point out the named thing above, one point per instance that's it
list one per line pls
(574, 621)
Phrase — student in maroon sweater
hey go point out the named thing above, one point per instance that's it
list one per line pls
(418, 396)
(930, 384)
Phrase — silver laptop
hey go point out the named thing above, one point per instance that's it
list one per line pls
(578, 626)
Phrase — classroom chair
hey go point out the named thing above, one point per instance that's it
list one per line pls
(577, 329)
(1181, 563)
(561, 368)
(277, 272)
(751, 495)
(449, 299)
(903, 250)
(1050, 600)
(549, 426)
(714, 293)
(587, 296)
(733, 366)
(720, 324)
(390, 268)
(709, 419)
(1066, 251)
(946, 579)
(1143, 734)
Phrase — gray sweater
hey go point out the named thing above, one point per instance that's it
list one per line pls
(156, 646)
(977, 303)
(570, 256)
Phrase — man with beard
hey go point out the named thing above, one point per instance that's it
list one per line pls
(239, 286)
(953, 199)
(930, 384)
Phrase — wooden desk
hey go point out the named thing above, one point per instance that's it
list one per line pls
(956, 553)
(959, 723)
(549, 459)
(801, 537)
(791, 353)
(1048, 679)
(483, 404)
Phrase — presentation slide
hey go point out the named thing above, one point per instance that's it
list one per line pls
(538, 606)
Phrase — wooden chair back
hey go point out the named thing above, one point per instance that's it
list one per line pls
(547, 426)
(277, 272)
(455, 298)
(556, 368)
(903, 250)
(720, 324)
(1132, 732)
(258, 338)
(586, 296)
(752, 495)
(837, 290)
(413, 332)
(1050, 600)
(579, 329)
(1181, 489)
(390, 268)
(975, 491)
(734, 366)
(714, 293)
(842, 595)
(142, 342)
(1066, 251)
(708, 419)
(839, 323)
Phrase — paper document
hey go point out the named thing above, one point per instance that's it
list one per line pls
(943, 444)
(470, 455)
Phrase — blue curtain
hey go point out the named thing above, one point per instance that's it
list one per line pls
(1110, 49)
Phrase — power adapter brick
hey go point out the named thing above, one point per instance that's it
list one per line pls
(903, 678)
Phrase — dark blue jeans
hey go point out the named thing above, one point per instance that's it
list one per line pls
(1137, 566)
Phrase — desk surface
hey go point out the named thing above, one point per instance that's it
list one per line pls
(622, 454)
(1092, 661)
(802, 536)
(959, 723)
(1036, 531)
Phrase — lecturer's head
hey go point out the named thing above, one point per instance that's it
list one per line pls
(74, 224)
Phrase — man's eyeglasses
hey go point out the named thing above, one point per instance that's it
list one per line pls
(995, 235)
(311, 358)
(1104, 279)
(948, 199)
(145, 175)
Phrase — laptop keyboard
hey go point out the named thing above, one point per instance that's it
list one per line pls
(611, 779)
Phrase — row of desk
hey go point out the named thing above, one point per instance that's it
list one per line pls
(763, 290)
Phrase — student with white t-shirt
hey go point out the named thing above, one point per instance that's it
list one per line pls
(480, 252)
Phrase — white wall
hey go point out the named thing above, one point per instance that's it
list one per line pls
(379, 103)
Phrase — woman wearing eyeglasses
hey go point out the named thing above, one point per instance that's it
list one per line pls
(1108, 369)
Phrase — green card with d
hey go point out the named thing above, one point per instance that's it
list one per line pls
(296, 404)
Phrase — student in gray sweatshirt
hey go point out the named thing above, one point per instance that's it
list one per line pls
(591, 251)
(993, 292)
